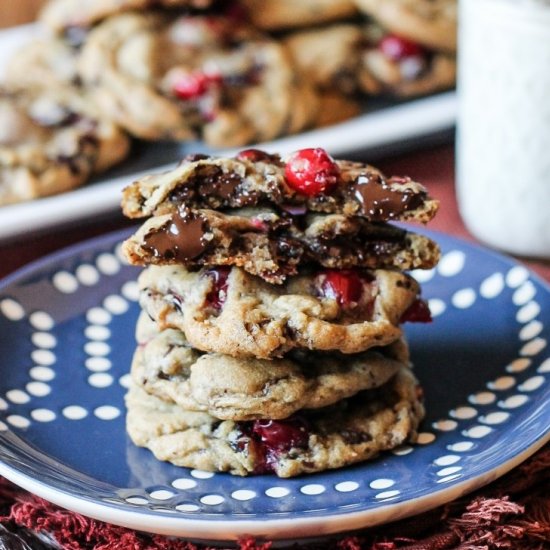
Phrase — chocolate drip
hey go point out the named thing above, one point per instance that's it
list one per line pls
(379, 202)
(181, 239)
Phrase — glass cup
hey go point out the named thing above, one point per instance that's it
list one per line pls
(503, 126)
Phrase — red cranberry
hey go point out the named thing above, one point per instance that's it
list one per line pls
(311, 171)
(216, 297)
(195, 85)
(398, 48)
(344, 286)
(418, 312)
(254, 155)
(281, 435)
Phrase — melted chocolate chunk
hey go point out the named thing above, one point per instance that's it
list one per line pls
(181, 239)
(379, 201)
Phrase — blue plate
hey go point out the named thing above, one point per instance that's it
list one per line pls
(66, 327)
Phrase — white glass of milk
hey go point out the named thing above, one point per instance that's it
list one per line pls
(503, 136)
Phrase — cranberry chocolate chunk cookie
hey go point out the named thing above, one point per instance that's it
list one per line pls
(244, 389)
(195, 76)
(393, 64)
(284, 14)
(353, 430)
(52, 141)
(60, 15)
(432, 23)
(274, 244)
(308, 180)
(226, 310)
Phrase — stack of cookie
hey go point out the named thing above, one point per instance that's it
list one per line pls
(273, 297)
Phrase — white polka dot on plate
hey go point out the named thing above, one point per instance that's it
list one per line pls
(130, 290)
(19, 397)
(387, 494)
(38, 389)
(313, 489)
(3, 404)
(97, 332)
(108, 264)
(424, 438)
(187, 508)
(502, 383)
(44, 340)
(65, 282)
(544, 366)
(517, 275)
(463, 413)
(461, 446)
(382, 483)
(87, 274)
(346, 486)
(18, 421)
(74, 412)
(212, 500)
(12, 310)
(445, 425)
(452, 263)
(528, 312)
(531, 330)
(437, 306)
(43, 415)
(97, 348)
(446, 460)
(243, 494)
(423, 275)
(107, 412)
(449, 471)
(100, 380)
(115, 304)
(43, 374)
(513, 402)
(525, 293)
(41, 320)
(463, 299)
(137, 500)
(534, 347)
(43, 357)
(125, 380)
(494, 418)
(492, 286)
(532, 384)
(518, 365)
(477, 432)
(277, 492)
(161, 494)
(99, 316)
(98, 364)
(183, 483)
(482, 398)
(201, 474)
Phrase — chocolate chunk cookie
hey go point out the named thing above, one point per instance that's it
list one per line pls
(226, 310)
(52, 141)
(244, 389)
(350, 431)
(432, 23)
(195, 76)
(308, 180)
(60, 15)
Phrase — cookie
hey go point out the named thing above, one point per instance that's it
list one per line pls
(432, 23)
(245, 389)
(226, 310)
(60, 15)
(189, 77)
(52, 141)
(284, 14)
(42, 63)
(394, 65)
(350, 431)
(273, 245)
(305, 181)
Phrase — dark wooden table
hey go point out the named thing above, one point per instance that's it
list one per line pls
(434, 167)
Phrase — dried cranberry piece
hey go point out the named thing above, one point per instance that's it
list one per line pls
(254, 155)
(398, 48)
(311, 171)
(417, 312)
(195, 85)
(217, 295)
(282, 435)
(344, 286)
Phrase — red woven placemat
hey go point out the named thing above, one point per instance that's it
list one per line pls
(511, 513)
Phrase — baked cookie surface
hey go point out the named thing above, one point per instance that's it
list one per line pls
(195, 76)
(351, 431)
(59, 15)
(432, 23)
(245, 389)
(226, 310)
(52, 141)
